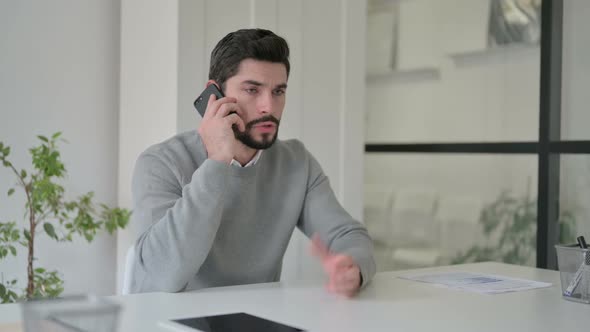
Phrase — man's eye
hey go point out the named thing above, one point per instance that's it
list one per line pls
(279, 92)
(251, 91)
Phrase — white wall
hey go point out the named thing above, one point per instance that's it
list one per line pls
(59, 65)
(324, 102)
(148, 92)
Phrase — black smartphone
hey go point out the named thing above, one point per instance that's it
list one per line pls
(201, 101)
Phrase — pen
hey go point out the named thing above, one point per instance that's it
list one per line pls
(578, 276)
(582, 242)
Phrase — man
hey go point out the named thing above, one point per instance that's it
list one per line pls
(218, 206)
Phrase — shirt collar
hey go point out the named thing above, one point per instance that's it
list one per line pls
(250, 163)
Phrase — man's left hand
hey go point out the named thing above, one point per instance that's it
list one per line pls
(343, 273)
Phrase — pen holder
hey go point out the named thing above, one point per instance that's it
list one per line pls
(574, 270)
(76, 313)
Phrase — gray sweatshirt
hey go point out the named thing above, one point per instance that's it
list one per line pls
(204, 223)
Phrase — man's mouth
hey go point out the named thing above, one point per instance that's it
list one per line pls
(266, 124)
(265, 127)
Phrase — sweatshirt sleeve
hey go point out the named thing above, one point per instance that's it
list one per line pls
(322, 214)
(179, 224)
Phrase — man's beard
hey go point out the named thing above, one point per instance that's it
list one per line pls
(267, 139)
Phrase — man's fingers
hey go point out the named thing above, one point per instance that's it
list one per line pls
(343, 273)
(210, 111)
(347, 289)
(344, 288)
(337, 263)
(344, 281)
(226, 108)
(348, 276)
(234, 119)
(214, 105)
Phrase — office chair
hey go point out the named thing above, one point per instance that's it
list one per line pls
(128, 273)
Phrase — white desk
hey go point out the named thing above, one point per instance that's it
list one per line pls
(387, 304)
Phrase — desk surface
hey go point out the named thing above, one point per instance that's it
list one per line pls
(387, 304)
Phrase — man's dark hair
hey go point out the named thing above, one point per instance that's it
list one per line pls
(257, 44)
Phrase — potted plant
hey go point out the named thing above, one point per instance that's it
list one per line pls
(510, 224)
(48, 212)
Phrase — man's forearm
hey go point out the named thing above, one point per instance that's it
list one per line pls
(174, 247)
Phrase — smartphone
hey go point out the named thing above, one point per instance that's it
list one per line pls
(202, 100)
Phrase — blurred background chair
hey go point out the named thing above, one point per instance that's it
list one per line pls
(414, 229)
(460, 228)
(376, 214)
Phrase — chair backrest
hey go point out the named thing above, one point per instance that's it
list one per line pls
(378, 200)
(412, 218)
(378, 196)
(459, 217)
(128, 274)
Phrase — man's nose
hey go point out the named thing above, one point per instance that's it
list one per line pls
(264, 105)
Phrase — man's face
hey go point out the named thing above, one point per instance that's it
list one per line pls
(259, 87)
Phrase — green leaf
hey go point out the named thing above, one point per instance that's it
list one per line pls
(2, 290)
(12, 250)
(50, 230)
(10, 191)
(43, 138)
(7, 150)
(6, 163)
(564, 233)
(23, 174)
(27, 234)
(40, 270)
(88, 237)
(56, 135)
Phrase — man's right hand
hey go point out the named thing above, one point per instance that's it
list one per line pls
(216, 128)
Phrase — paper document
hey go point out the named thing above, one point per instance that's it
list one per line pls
(476, 282)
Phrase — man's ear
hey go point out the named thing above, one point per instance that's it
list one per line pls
(209, 82)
